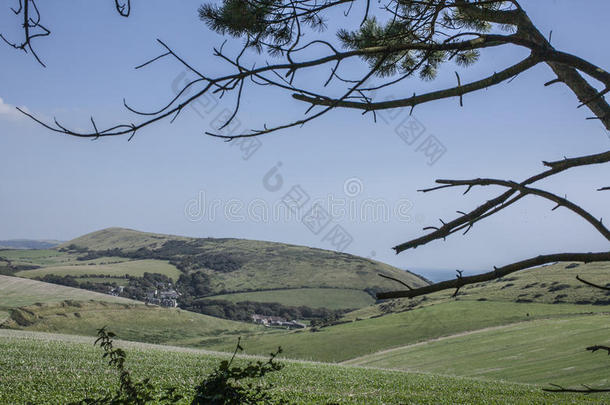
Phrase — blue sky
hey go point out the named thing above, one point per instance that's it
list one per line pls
(53, 186)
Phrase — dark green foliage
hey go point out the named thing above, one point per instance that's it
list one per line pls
(7, 268)
(224, 385)
(273, 25)
(185, 255)
(194, 285)
(265, 24)
(243, 311)
(137, 288)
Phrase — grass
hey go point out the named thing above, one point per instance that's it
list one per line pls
(358, 338)
(18, 292)
(122, 238)
(332, 298)
(43, 368)
(547, 284)
(134, 268)
(51, 257)
(541, 351)
(117, 280)
(41, 257)
(132, 322)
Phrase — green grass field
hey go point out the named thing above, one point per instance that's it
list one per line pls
(133, 322)
(45, 368)
(45, 257)
(332, 298)
(541, 351)
(133, 268)
(358, 338)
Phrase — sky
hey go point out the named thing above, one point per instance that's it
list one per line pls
(360, 176)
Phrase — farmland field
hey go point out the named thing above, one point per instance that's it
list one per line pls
(332, 298)
(47, 368)
(135, 268)
(541, 351)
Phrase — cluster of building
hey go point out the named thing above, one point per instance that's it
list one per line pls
(163, 298)
(116, 291)
(276, 321)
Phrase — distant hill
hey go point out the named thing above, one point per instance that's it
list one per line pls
(215, 269)
(28, 244)
(260, 265)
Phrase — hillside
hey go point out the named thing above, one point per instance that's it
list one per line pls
(551, 284)
(217, 268)
(541, 351)
(17, 292)
(262, 265)
(78, 370)
(37, 306)
(349, 339)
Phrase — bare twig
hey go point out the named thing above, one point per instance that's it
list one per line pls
(395, 279)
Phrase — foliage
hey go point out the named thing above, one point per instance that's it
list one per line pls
(223, 385)
(242, 311)
(129, 391)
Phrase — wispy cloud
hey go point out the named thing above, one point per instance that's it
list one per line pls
(8, 111)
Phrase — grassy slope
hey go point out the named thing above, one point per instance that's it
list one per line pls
(357, 338)
(41, 368)
(547, 284)
(52, 258)
(332, 298)
(266, 264)
(17, 292)
(134, 268)
(132, 322)
(52, 308)
(542, 351)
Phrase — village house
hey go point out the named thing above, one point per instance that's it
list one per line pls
(164, 298)
(276, 321)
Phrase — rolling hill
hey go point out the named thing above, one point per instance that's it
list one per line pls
(230, 266)
(540, 351)
(63, 369)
